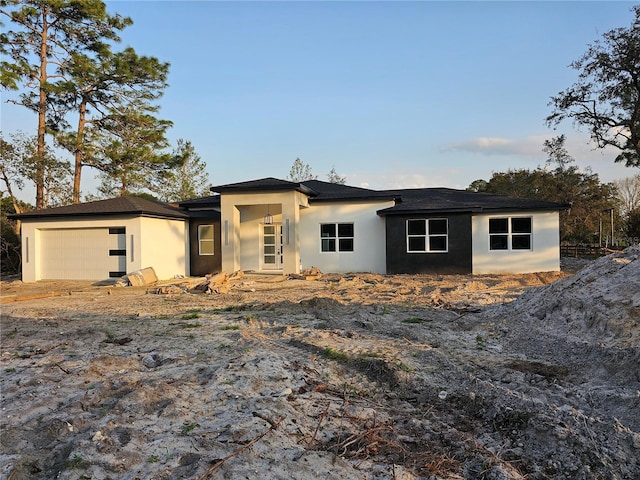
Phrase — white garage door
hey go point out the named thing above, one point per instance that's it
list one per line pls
(82, 253)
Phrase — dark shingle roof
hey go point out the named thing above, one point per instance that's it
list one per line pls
(417, 200)
(446, 200)
(212, 201)
(328, 192)
(113, 206)
(317, 190)
(263, 184)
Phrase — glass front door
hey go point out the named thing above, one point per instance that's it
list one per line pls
(272, 247)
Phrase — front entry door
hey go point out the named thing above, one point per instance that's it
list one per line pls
(272, 247)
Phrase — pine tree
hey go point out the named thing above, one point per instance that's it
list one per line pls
(42, 37)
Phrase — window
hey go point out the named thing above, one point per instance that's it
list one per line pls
(510, 233)
(336, 237)
(427, 235)
(205, 240)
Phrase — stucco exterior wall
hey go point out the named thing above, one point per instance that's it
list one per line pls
(544, 255)
(160, 237)
(164, 245)
(369, 237)
(242, 215)
(251, 221)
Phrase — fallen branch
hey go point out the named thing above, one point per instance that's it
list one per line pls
(322, 415)
(63, 369)
(32, 297)
(418, 345)
(358, 437)
(217, 465)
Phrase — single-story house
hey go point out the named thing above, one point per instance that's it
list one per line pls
(277, 226)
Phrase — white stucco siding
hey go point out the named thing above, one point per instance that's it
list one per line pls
(242, 219)
(369, 249)
(164, 245)
(251, 219)
(544, 255)
(79, 249)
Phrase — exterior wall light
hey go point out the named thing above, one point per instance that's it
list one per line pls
(268, 218)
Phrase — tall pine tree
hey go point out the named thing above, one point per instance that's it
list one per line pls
(97, 86)
(41, 38)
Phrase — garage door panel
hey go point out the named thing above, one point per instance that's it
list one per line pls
(79, 254)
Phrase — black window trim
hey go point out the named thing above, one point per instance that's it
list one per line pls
(337, 237)
(510, 234)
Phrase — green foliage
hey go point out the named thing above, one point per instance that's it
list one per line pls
(632, 226)
(582, 190)
(400, 365)
(478, 186)
(335, 178)
(187, 178)
(145, 195)
(20, 164)
(189, 427)
(13, 162)
(230, 327)
(413, 320)
(606, 96)
(12, 175)
(557, 153)
(77, 462)
(334, 354)
(107, 95)
(129, 151)
(301, 171)
(10, 258)
(62, 29)
(96, 85)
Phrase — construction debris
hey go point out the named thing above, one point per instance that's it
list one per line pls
(312, 273)
(218, 283)
(168, 290)
(372, 380)
(145, 276)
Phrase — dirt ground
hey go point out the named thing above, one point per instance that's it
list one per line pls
(358, 376)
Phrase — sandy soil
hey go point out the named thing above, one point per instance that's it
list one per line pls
(345, 377)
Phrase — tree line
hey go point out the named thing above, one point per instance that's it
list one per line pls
(592, 204)
(61, 61)
(605, 100)
(92, 100)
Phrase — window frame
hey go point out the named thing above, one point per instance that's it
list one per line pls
(427, 235)
(510, 233)
(212, 240)
(335, 240)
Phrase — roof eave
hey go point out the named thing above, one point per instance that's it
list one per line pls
(346, 199)
(472, 210)
(40, 216)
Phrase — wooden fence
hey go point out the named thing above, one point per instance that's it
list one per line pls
(581, 251)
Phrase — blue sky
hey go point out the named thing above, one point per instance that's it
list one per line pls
(393, 94)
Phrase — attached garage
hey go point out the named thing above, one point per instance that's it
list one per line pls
(104, 239)
(82, 253)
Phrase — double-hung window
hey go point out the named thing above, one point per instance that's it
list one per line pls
(336, 237)
(510, 233)
(427, 235)
(205, 240)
